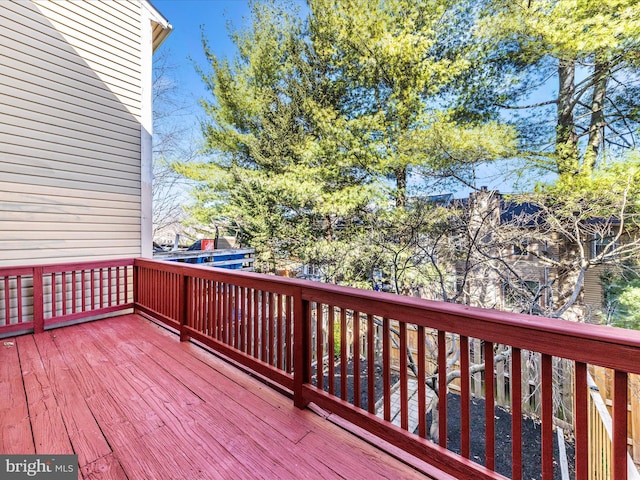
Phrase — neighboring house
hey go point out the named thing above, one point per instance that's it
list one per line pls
(521, 276)
(75, 129)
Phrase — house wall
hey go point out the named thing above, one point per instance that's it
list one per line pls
(71, 116)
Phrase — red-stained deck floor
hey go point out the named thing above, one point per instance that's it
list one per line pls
(134, 403)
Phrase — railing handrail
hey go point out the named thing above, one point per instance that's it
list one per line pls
(606, 346)
(67, 266)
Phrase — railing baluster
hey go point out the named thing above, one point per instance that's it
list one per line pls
(263, 320)
(277, 332)
(319, 353)
(386, 368)
(109, 287)
(332, 350)
(83, 286)
(465, 414)
(288, 334)
(19, 297)
(581, 419)
(118, 285)
(343, 353)
(371, 380)
(38, 300)
(224, 334)
(73, 291)
(271, 327)
(256, 323)
(489, 395)
(242, 324)
(7, 301)
(620, 412)
(422, 379)
(236, 317)
(63, 289)
(126, 283)
(251, 313)
(442, 388)
(93, 289)
(211, 309)
(515, 381)
(547, 417)
(404, 394)
(356, 359)
(54, 300)
(101, 274)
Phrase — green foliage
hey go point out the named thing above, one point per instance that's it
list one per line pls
(319, 126)
(394, 66)
(611, 191)
(622, 299)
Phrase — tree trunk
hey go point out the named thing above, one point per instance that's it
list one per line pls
(597, 116)
(566, 138)
(401, 186)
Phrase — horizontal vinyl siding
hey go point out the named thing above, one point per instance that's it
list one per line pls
(70, 105)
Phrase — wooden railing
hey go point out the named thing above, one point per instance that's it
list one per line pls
(41, 296)
(332, 346)
(334, 331)
(247, 317)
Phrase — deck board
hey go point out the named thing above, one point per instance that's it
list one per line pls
(15, 434)
(49, 433)
(135, 403)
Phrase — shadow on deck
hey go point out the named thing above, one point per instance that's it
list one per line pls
(134, 403)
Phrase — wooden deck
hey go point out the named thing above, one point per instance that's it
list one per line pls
(134, 403)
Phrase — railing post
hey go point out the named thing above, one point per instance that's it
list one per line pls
(301, 348)
(38, 300)
(136, 279)
(183, 302)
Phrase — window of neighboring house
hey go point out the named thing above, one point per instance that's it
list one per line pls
(517, 297)
(311, 271)
(522, 248)
(600, 243)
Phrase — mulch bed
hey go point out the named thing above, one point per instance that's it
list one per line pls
(531, 440)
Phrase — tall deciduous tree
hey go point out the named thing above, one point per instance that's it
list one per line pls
(577, 63)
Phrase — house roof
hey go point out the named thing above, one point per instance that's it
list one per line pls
(161, 26)
(525, 213)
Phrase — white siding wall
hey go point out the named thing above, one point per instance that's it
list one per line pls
(70, 113)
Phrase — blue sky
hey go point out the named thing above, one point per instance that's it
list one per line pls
(184, 45)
